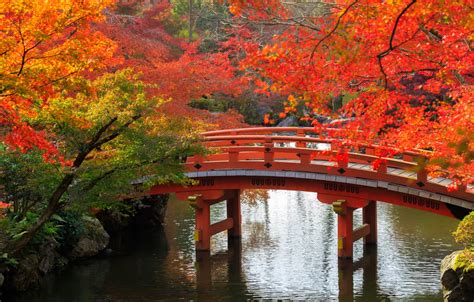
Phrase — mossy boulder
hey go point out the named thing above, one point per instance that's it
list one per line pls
(33, 265)
(457, 277)
(94, 239)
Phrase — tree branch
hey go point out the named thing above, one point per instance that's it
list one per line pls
(332, 30)
(390, 48)
(54, 201)
(116, 132)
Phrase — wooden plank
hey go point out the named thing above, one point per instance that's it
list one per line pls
(390, 170)
(221, 226)
(408, 174)
(366, 167)
(397, 172)
(446, 182)
(355, 166)
(360, 232)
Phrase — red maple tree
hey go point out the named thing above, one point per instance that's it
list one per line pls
(403, 68)
(177, 70)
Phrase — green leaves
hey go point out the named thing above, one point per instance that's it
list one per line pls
(464, 233)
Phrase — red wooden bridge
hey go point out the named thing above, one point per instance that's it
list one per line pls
(290, 158)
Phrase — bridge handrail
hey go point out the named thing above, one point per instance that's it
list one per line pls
(407, 160)
(269, 153)
(236, 158)
(301, 132)
(390, 162)
(266, 130)
(233, 140)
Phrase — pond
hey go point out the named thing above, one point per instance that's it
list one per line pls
(287, 251)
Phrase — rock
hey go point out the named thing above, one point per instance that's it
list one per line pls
(150, 211)
(113, 220)
(61, 262)
(94, 239)
(449, 278)
(48, 254)
(288, 122)
(31, 267)
(467, 284)
(27, 274)
(458, 285)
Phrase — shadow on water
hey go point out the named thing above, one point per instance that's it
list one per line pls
(288, 251)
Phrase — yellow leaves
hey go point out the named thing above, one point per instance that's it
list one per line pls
(272, 52)
(291, 100)
(120, 97)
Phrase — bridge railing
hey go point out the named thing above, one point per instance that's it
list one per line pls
(308, 132)
(254, 148)
(299, 131)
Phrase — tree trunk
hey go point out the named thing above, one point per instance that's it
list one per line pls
(190, 16)
(53, 206)
(54, 201)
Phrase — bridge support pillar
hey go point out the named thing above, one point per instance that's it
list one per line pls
(234, 213)
(369, 217)
(202, 233)
(204, 229)
(346, 235)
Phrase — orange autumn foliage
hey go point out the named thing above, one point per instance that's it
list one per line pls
(44, 46)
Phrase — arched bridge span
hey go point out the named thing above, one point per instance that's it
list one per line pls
(290, 158)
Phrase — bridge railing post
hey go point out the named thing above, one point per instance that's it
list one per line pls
(407, 157)
(305, 158)
(300, 133)
(269, 152)
(382, 168)
(197, 161)
(422, 175)
(369, 150)
(233, 156)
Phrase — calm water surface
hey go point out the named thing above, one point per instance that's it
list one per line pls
(288, 251)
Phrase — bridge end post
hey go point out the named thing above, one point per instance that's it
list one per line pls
(234, 212)
(369, 217)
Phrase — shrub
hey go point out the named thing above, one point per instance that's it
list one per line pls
(464, 261)
(464, 234)
(70, 229)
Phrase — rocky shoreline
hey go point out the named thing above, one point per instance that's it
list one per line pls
(96, 233)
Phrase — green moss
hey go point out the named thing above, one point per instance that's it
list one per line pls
(464, 261)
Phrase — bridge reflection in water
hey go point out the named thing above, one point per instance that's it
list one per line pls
(281, 260)
(232, 261)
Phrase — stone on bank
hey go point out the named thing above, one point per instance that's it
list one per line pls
(458, 282)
